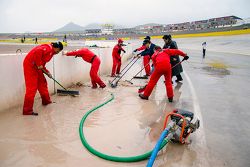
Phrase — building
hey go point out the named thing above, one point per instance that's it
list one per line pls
(204, 24)
(93, 32)
(124, 31)
(107, 29)
(224, 21)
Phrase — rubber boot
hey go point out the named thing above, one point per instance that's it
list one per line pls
(179, 78)
(143, 97)
(33, 114)
(170, 99)
(46, 100)
(103, 86)
(94, 87)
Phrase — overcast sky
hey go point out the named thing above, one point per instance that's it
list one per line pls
(49, 15)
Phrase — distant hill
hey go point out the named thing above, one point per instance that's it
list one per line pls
(99, 26)
(70, 27)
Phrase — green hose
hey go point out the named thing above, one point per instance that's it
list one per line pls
(105, 156)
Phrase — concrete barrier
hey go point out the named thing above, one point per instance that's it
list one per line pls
(67, 70)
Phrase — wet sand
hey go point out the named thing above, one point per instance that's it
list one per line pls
(129, 126)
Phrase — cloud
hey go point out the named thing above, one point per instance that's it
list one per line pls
(47, 15)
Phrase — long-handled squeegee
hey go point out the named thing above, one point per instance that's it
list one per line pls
(64, 91)
(114, 85)
(136, 77)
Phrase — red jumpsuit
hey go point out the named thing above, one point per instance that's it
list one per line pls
(116, 54)
(161, 61)
(90, 57)
(34, 78)
(146, 61)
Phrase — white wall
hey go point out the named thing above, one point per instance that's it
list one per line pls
(68, 70)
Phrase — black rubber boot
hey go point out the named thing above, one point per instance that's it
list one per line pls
(103, 86)
(170, 99)
(143, 97)
(179, 78)
(34, 113)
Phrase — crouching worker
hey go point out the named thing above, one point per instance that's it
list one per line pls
(34, 69)
(89, 57)
(161, 61)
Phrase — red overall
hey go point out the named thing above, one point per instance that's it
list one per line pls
(146, 61)
(90, 57)
(116, 59)
(161, 61)
(34, 78)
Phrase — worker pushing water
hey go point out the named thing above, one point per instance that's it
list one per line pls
(117, 60)
(95, 62)
(34, 69)
(148, 51)
(161, 61)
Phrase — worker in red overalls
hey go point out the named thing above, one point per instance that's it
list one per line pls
(148, 51)
(117, 61)
(161, 61)
(34, 67)
(89, 57)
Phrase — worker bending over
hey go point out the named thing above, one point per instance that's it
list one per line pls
(89, 57)
(161, 61)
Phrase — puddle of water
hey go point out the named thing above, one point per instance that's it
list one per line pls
(216, 71)
(217, 68)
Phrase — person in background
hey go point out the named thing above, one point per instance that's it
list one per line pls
(89, 57)
(204, 46)
(34, 69)
(177, 70)
(36, 41)
(117, 60)
(65, 38)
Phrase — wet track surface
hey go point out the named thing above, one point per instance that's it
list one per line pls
(215, 89)
(224, 100)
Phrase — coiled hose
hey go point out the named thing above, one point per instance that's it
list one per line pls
(105, 156)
